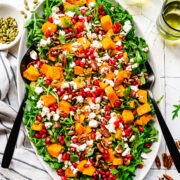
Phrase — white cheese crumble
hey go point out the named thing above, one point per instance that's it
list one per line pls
(80, 99)
(56, 117)
(65, 85)
(96, 44)
(93, 124)
(48, 124)
(127, 26)
(40, 104)
(134, 88)
(65, 97)
(44, 43)
(126, 152)
(33, 55)
(70, 14)
(98, 135)
(38, 90)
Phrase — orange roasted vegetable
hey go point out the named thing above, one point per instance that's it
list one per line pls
(89, 171)
(49, 27)
(117, 161)
(128, 116)
(85, 44)
(79, 118)
(111, 95)
(125, 56)
(118, 134)
(145, 108)
(78, 70)
(68, 47)
(56, 73)
(48, 100)
(44, 68)
(111, 156)
(79, 128)
(90, 1)
(142, 94)
(31, 73)
(52, 58)
(107, 43)
(64, 106)
(56, 85)
(110, 76)
(68, 6)
(103, 85)
(81, 165)
(110, 32)
(37, 126)
(65, 21)
(54, 150)
(87, 129)
(121, 76)
(69, 173)
(120, 90)
(79, 82)
(117, 38)
(106, 22)
(132, 104)
(146, 118)
(77, 3)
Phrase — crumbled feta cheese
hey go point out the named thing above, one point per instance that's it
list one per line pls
(44, 42)
(59, 158)
(92, 115)
(73, 84)
(118, 43)
(45, 111)
(55, 9)
(132, 138)
(127, 26)
(126, 152)
(129, 68)
(38, 90)
(65, 97)
(32, 97)
(61, 32)
(56, 117)
(98, 100)
(80, 99)
(93, 124)
(94, 36)
(48, 124)
(134, 65)
(33, 55)
(96, 44)
(131, 60)
(98, 135)
(106, 57)
(65, 85)
(70, 14)
(91, 5)
(112, 120)
(111, 128)
(104, 70)
(72, 64)
(145, 49)
(134, 88)
(89, 143)
(40, 104)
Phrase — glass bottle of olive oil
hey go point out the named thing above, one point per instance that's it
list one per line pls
(169, 20)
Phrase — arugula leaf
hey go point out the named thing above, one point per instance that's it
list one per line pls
(176, 111)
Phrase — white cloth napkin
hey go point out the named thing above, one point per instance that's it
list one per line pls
(24, 164)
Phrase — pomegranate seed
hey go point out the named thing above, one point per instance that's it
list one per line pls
(103, 13)
(37, 135)
(100, 16)
(63, 178)
(50, 18)
(118, 24)
(124, 67)
(119, 48)
(147, 145)
(105, 156)
(47, 34)
(96, 82)
(44, 130)
(74, 164)
(106, 116)
(134, 83)
(116, 123)
(114, 61)
(101, 6)
(89, 17)
(69, 91)
(83, 11)
(120, 55)
(93, 130)
(74, 21)
(103, 123)
(74, 139)
(43, 136)
(47, 82)
(118, 103)
(64, 115)
(52, 108)
(48, 140)
(96, 30)
(106, 151)
(76, 17)
(101, 171)
(114, 29)
(107, 108)
(93, 136)
(126, 132)
(113, 177)
(72, 149)
(60, 138)
(82, 64)
(112, 167)
(134, 112)
(64, 157)
(129, 156)
(41, 132)
(60, 172)
(120, 119)
(70, 29)
(73, 94)
(86, 165)
(102, 94)
(95, 11)
(129, 128)
(82, 157)
(108, 173)
(79, 28)
(88, 93)
(140, 128)
(49, 79)
(73, 108)
(133, 94)
(77, 62)
(39, 118)
(140, 165)
(62, 142)
(92, 56)
(82, 20)
(66, 30)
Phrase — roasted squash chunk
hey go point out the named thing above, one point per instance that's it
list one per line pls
(79, 128)
(54, 150)
(81, 165)
(120, 90)
(110, 76)
(117, 38)
(79, 118)
(143, 120)
(68, 47)
(64, 106)
(145, 108)
(89, 171)
(89, 1)
(68, 6)
(52, 58)
(77, 3)
(117, 161)
(85, 44)
(49, 27)
(118, 134)
(111, 95)
(79, 82)
(48, 100)
(110, 32)
(121, 76)
(106, 22)
(111, 156)
(31, 73)
(37, 126)
(69, 173)
(57, 84)
(142, 94)
(55, 73)
(78, 70)
(107, 43)
(103, 85)
(65, 21)
(44, 68)
(128, 116)
(132, 104)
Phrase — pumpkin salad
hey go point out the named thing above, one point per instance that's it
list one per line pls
(86, 113)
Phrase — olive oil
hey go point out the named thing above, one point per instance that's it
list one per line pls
(171, 14)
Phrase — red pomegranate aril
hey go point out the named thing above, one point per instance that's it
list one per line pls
(120, 119)
(129, 156)
(118, 103)
(129, 128)
(96, 30)
(93, 136)
(73, 108)
(96, 82)
(60, 138)
(84, 94)
(52, 108)
(66, 30)
(92, 56)
(89, 86)
(134, 83)
(88, 18)
(133, 94)
(134, 112)
(41, 132)
(147, 145)
(69, 91)
(77, 62)
(106, 116)
(79, 28)
(107, 108)
(62, 142)
(101, 7)
(37, 136)
(120, 55)
(113, 177)
(100, 16)
(63, 177)
(103, 123)
(47, 34)
(124, 67)
(103, 13)
(112, 167)
(82, 157)
(119, 48)
(44, 130)
(64, 156)
(74, 164)
(140, 165)
(116, 123)
(118, 24)
(82, 64)
(50, 18)
(93, 130)
(80, 93)
(91, 160)
(39, 118)
(102, 94)
(105, 156)
(79, 35)
(74, 21)
(72, 149)
(106, 151)
(55, 106)
(43, 136)
(48, 140)
(96, 93)
(83, 11)
(86, 165)
(108, 173)
(88, 93)
(125, 126)
(101, 171)
(64, 115)
(70, 29)
(76, 16)
(140, 128)
(74, 139)
(73, 94)
(126, 132)
(47, 82)
(49, 79)
(60, 172)
(59, 93)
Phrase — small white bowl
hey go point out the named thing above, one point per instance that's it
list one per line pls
(6, 11)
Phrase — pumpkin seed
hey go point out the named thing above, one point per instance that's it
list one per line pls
(35, 1)
(22, 12)
(25, 16)
(27, 8)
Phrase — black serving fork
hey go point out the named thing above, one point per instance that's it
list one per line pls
(165, 130)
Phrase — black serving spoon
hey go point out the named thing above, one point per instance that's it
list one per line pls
(165, 130)
(10, 146)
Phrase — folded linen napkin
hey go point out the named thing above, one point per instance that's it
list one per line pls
(24, 164)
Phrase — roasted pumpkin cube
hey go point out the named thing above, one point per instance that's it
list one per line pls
(110, 76)
(111, 156)
(37, 126)
(138, 122)
(81, 165)
(79, 128)
(78, 70)
(103, 85)
(77, 3)
(125, 56)
(143, 109)
(89, 171)
(48, 100)
(54, 149)
(69, 173)
(56, 73)
(111, 95)
(117, 161)
(68, 6)
(56, 85)
(89, 1)
(52, 58)
(110, 32)
(121, 76)
(87, 129)
(132, 104)
(106, 22)
(117, 38)
(79, 82)
(31, 73)
(104, 67)
(142, 94)
(64, 106)
(146, 118)
(86, 112)
(120, 90)
(114, 52)
(89, 74)
(68, 47)
(44, 68)
(128, 116)
(127, 74)
(107, 43)
(49, 27)
(65, 21)
(79, 118)
(85, 44)
(118, 134)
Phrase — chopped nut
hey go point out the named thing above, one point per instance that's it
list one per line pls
(165, 159)
(100, 147)
(158, 163)
(71, 133)
(167, 177)
(105, 132)
(58, 125)
(82, 138)
(178, 144)
(63, 60)
(105, 142)
(169, 162)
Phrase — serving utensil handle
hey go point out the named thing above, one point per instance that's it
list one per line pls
(167, 135)
(10, 146)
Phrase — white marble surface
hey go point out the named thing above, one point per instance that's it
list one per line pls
(167, 61)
